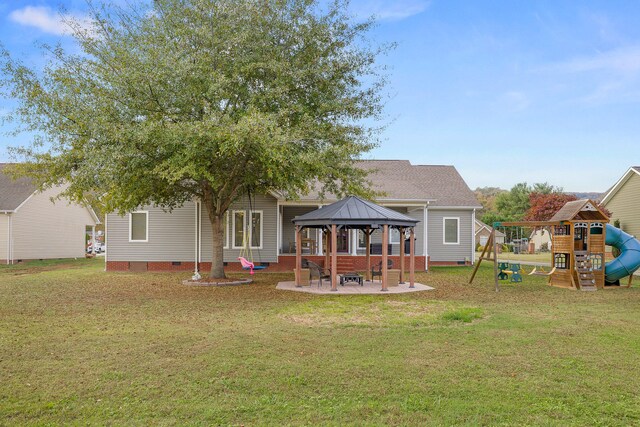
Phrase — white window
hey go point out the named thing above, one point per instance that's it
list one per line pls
(451, 231)
(484, 240)
(394, 236)
(362, 239)
(139, 226)
(246, 225)
(239, 229)
(255, 230)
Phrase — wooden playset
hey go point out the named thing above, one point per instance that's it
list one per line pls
(578, 236)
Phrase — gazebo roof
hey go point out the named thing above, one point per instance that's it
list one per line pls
(354, 212)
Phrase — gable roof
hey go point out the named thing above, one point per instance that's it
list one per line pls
(354, 211)
(399, 180)
(613, 190)
(579, 209)
(480, 225)
(13, 192)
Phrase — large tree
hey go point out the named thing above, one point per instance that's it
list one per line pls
(203, 99)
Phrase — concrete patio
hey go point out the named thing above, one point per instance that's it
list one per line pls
(368, 288)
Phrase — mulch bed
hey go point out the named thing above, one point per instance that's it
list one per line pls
(205, 281)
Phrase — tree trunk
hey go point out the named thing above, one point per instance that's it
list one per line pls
(216, 219)
(217, 262)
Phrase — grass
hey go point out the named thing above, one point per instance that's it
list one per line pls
(536, 258)
(81, 346)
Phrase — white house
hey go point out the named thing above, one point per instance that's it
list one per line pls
(32, 226)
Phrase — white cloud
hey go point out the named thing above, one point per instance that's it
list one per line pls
(390, 10)
(47, 20)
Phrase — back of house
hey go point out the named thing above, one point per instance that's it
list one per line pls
(260, 227)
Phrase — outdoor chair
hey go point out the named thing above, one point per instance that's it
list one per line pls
(376, 270)
(318, 271)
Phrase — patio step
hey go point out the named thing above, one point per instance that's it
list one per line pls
(345, 264)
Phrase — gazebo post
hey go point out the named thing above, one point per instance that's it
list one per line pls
(412, 259)
(367, 240)
(401, 230)
(334, 258)
(298, 256)
(385, 255)
(327, 249)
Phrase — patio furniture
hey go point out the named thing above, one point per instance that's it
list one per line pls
(305, 244)
(351, 277)
(376, 270)
(319, 272)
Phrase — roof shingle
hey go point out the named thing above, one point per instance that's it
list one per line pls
(400, 180)
(13, 192)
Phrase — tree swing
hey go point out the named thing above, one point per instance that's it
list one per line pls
(249, 264)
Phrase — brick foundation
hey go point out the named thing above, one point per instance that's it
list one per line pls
(448, 263)
(286, 264)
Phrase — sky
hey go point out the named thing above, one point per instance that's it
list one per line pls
(507, 92)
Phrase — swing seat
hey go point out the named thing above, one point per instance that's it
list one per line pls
(248, 265)
(542, 272)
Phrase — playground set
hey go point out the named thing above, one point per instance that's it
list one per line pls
(579, 233)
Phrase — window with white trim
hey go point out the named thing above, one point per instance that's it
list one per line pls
(255, 229)
(139, 226)
(362, 239)
(451, 230)
(394, 236)
(238, 227)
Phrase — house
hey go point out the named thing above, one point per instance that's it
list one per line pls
(32, 226)
(540, 239)
(261, 228)
(623, 201)
(483, 231)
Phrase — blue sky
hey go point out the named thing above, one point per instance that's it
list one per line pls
(505, 91)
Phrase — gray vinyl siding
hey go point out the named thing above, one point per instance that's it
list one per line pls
(438, 251)
(4, 219)
(43, 229)
(171, 236)
(268, 253)
(625, 205)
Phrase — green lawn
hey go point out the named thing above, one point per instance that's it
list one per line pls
(534, 258)
(81, 346)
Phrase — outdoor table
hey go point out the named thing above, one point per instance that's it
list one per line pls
(351, 277)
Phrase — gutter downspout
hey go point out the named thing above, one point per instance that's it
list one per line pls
(9, 240)
(426, 237)
(196, 274)
(473, 237)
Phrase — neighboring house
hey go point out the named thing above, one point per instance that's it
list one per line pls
(623, 201)
(34, 227)
(539, 238)
(152, 239)
(483, 231)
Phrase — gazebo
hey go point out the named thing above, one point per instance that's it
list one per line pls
(356, 213)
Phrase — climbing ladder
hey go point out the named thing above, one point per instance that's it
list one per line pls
(584, 271)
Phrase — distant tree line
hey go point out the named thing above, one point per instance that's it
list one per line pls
(523, 202)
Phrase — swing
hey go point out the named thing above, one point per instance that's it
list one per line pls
(541, 271)
(248, 264)
(246, 251)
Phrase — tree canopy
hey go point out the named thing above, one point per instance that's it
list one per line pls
(207, 99)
